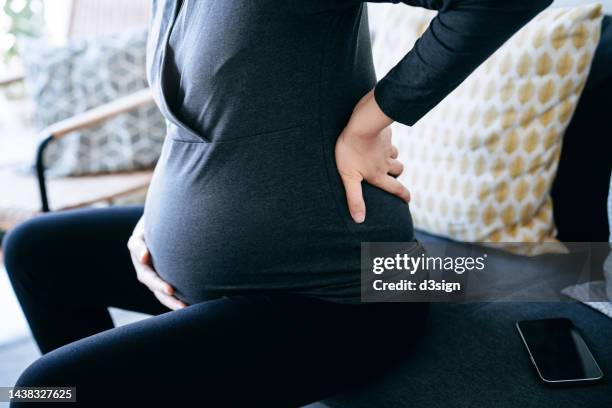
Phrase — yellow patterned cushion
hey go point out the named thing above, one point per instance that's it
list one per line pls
(480, 165)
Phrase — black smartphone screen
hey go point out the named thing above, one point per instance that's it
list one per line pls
(558, 351)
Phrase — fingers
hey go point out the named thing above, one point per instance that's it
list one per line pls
(137, 247)
(386, 134)
(396, 168)
(141, 258)
(161, 289)
(169, 301)
(150, 279)
(354, 197)
(391, 185)
(394, 152)
(144, 257)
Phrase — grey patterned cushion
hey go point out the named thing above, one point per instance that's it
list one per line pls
(86, 73)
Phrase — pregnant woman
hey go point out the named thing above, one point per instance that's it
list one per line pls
(277, 164)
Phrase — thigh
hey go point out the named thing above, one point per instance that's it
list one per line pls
(80, 257)
(255, 350)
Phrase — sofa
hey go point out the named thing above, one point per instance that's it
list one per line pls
(471, 354)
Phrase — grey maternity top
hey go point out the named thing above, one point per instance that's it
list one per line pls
(246, 195)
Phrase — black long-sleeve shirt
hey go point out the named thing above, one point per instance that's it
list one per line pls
(246, 195)
(462, 35)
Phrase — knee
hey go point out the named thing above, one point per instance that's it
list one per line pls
(44, 372)
(74, 366)
(22, 246)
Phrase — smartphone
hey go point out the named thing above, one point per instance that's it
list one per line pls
(558, 351)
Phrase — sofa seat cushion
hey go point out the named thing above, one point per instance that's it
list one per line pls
(472, 356)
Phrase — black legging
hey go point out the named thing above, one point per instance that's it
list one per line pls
(253, 349)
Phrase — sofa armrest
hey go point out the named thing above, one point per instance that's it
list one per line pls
(99, 114)
(84, 120)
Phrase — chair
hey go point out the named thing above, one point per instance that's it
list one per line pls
(18, 192)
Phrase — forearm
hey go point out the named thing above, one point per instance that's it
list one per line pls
(458, 40)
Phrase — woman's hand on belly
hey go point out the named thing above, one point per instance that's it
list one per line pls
(364, 153)
(145, 272)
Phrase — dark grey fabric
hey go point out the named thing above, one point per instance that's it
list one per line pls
(256, 350)
(471, 355)
(590, 161)
(246, 195)
(462, 35)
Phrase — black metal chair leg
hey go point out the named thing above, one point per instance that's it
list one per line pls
(40, 172)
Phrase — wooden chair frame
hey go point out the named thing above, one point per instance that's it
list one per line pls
(89, 12)
(83, 120)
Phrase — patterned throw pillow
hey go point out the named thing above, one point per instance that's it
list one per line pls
(86, 73)
(480, 165)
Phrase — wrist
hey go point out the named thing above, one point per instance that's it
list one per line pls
(367, 120)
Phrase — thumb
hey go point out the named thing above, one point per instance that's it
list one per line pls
(144, 256)
(354, 197)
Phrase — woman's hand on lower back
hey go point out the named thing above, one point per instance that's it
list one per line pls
(145, 272)
(364, 153)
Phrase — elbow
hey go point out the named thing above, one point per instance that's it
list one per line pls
(532, 6)
(527, 6)
(539, 5)
(514, 9)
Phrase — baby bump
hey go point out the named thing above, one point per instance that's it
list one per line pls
(260, 214)
(226, 216)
